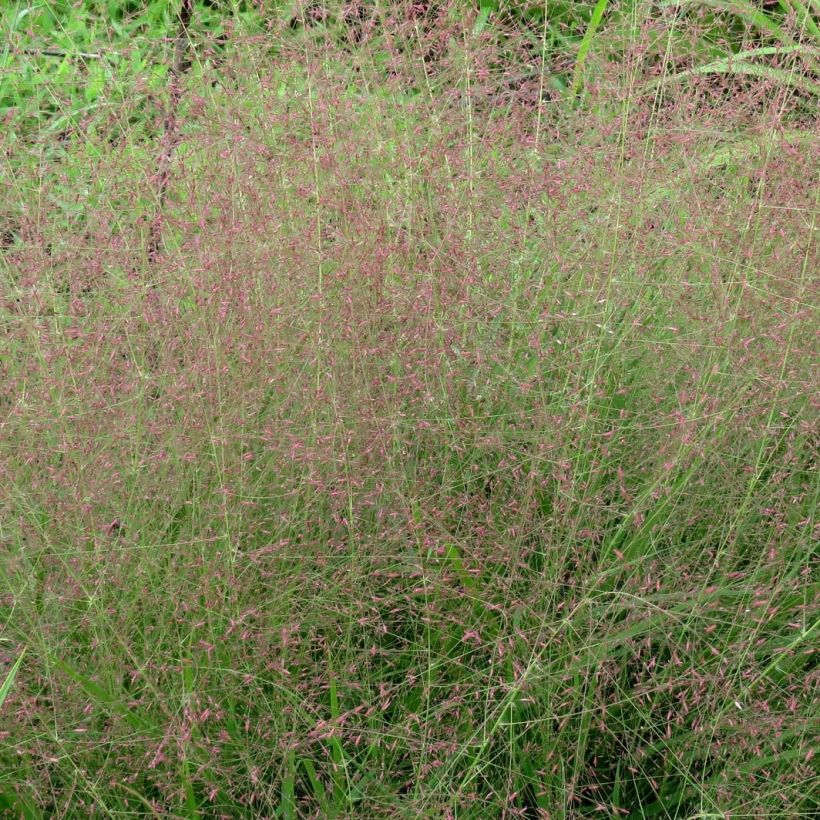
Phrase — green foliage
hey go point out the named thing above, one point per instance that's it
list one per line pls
(569, 32)
(67, 66)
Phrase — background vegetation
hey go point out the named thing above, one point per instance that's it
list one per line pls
(455, 454)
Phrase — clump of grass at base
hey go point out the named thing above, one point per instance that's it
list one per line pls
(433, 470)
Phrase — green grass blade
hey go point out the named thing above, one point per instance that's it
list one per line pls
(9, 681)
(805, 17)
(14, 805)
(109, 700)
(739, 64)
(287, 794)
(586, 44)
(319, 792)
(742, 9)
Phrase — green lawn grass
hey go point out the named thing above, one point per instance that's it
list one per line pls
(456, 458)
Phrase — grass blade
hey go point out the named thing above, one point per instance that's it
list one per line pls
(5, 688)
(586, 44)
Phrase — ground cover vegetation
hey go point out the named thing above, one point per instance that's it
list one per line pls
(409, 409)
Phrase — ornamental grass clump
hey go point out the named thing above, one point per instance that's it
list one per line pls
(452, 452)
